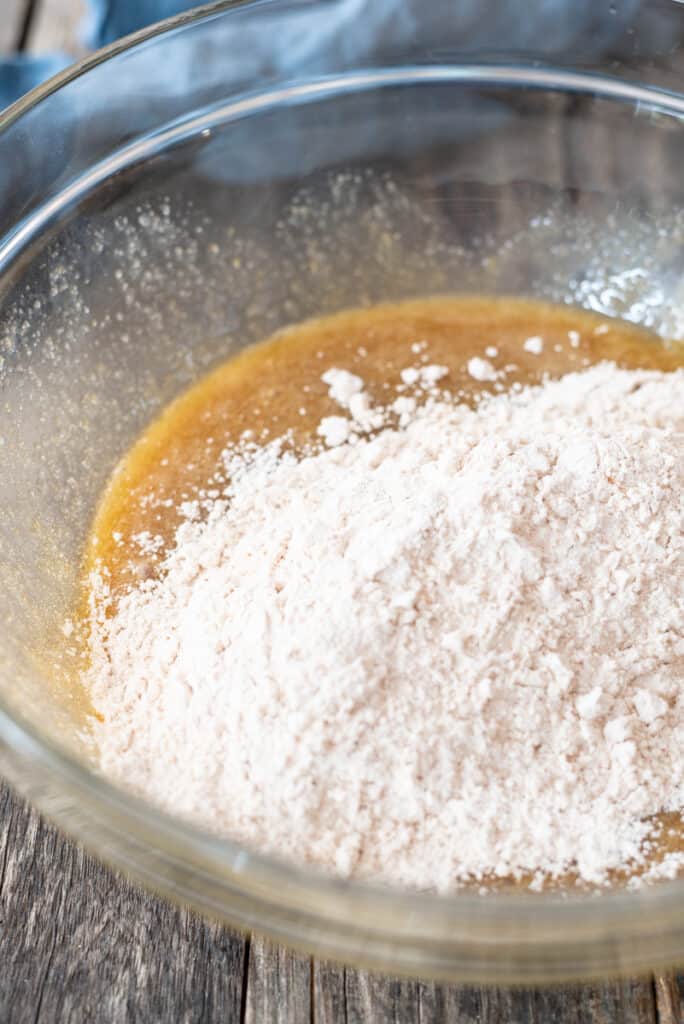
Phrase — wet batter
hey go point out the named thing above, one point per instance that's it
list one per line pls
(276, 386)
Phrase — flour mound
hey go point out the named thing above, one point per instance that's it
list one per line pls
(450, 651)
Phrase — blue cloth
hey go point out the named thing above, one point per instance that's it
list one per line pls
(266, 42)
(111, 19)
(574, 29)
(19, 74)
(105, 21)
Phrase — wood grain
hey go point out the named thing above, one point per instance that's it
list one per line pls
(669, 995)
(12, 13)
(78, 943)
(56, 25)
(356, 997)
(630, 1002)
(278, 985)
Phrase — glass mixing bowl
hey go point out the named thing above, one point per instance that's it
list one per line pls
(191, 189)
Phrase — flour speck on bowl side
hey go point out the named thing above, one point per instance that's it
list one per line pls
(434, 638)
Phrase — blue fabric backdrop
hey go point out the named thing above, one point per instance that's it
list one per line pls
(105, 21)
(633, 29)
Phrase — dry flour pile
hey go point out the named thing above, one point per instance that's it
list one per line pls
(450, 649)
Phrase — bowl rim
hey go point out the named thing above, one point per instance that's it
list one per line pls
(34, 96)
(500, 921)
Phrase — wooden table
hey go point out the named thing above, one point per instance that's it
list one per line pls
(78, 943)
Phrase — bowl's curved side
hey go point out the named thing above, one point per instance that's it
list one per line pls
(496, 939)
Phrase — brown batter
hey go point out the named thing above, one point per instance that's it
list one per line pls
(276, 385)
(266, 387)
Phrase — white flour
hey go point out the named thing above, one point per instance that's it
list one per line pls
(452, 650)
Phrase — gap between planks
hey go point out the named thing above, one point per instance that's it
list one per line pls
(262, 983)
(79, 943)
(55, 26)
(287, 988)
(12, 19)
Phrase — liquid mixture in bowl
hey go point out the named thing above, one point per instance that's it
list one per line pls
(400, 593)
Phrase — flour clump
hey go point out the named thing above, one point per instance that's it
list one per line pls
(450, 651)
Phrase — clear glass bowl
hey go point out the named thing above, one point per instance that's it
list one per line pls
(191, 189)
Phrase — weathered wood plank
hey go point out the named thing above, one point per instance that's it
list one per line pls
(329, 995)
(12, 13)
(79, 943)
(669, 996)
(55, 25)
(357, 997)
(457, 1004)
(345, 994)
(614, 1002)
(279, 986)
